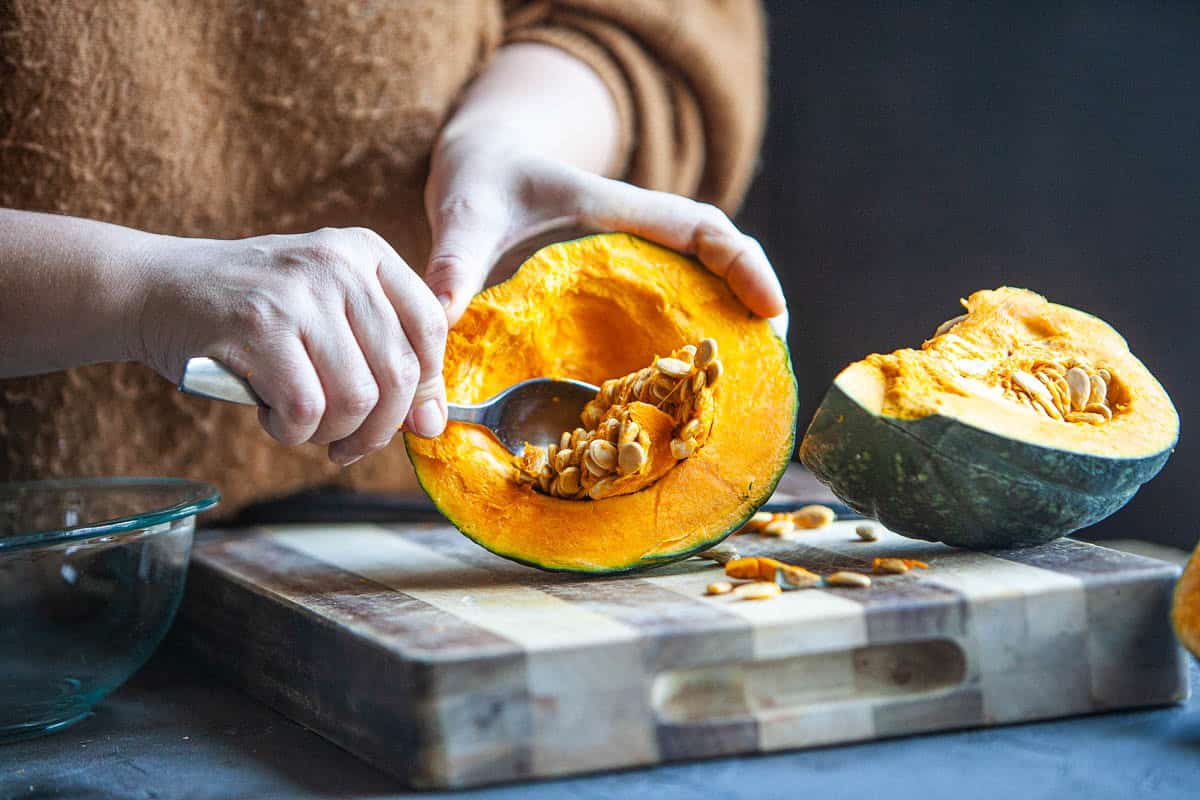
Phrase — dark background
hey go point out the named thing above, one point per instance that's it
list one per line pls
(915, 154)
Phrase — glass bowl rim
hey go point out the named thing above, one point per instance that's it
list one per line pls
(203, 497)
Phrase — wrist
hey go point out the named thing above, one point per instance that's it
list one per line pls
(538, 100)
(126, 267)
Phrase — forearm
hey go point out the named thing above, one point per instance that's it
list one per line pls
(68, 291)
(540, 98)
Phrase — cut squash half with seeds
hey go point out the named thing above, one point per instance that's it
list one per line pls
(1018, 422)
(692, 428)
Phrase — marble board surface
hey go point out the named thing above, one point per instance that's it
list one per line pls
(420, 652)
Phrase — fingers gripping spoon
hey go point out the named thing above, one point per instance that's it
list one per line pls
(535, 411)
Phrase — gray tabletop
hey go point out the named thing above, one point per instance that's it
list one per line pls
(173, 732)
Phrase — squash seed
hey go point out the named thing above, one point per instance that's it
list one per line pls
(948, 324)
(706, 351)
(846, 578)
(1099, 393)
(629, 432)
(1080, 387)
(712, 372)
(779, 527)
(604, 453)
(798, 577)
(867, 533)
(673, 367)
(631, 457)
(759, 590)
(813, 516)
(568, 480)
(890, 566)
(719, 587)
(722, 553)
(599, 488)
(681, 449)
(699, 380)
(757, 522)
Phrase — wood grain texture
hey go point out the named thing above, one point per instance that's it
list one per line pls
(448, 667)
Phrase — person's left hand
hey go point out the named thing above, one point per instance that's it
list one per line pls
(483, 197)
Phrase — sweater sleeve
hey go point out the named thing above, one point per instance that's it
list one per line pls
(688, 78)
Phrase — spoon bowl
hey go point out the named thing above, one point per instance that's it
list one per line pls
(536, 411)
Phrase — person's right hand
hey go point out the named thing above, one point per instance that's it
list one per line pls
(338, 336)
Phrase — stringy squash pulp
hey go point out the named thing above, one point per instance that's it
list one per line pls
(596, 309)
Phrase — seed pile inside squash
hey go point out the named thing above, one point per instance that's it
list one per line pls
(1037, 376)
(634, 430)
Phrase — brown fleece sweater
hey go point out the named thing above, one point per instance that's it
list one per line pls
(233, 119)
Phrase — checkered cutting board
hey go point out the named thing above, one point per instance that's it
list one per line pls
(447, 666)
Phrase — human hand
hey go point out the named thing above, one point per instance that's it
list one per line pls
(485, 195)
(337, 335)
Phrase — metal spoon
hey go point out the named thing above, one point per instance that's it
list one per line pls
(535, 411)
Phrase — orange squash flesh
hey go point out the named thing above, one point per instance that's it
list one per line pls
(593, 309)
(1185, 612)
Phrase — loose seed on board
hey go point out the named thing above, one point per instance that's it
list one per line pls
(812, 517)
(798, 577)
(719, 587)
(759, 590)
(779, 527)
(890, 566)
(756, 523)
(867, 533)
(850, 579)
(722, 553)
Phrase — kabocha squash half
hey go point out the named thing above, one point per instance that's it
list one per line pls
(1017, 423)
(692, 430)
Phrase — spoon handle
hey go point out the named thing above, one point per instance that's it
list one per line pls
(205, 377)
(462, 413)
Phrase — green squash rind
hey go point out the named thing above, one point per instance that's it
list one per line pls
(758, 496)
(940, 479)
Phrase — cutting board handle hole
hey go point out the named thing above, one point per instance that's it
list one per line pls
(858, 676)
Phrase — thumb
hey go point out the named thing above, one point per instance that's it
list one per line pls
(427, 416)
(465, 245)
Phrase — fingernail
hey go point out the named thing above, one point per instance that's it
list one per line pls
(444, 299)
(342, 461)
(428, 419)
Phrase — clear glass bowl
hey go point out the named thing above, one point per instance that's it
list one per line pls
(91, 573)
